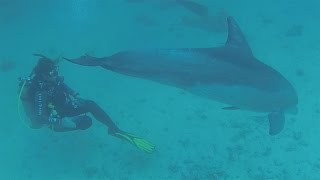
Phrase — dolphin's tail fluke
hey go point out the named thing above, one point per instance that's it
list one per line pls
(87, 61)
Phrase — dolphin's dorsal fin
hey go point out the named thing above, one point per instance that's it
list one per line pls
(236, 38)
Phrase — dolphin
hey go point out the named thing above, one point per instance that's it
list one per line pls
(229, 74)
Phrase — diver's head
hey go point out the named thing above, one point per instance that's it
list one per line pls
(46, 68)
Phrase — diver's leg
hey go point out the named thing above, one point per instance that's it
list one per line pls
(81, 122)
(101, 115)
(62, 129)
(89, 106)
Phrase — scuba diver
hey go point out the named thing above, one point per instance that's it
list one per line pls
(48, 101)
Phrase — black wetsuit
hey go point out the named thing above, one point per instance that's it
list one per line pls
(42, 96)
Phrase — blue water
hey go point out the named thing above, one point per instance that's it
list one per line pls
(195, 138)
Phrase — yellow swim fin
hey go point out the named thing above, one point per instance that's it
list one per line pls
(137, 141)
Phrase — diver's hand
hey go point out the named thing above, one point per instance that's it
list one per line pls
(135, 140)
(75, 101)
(74, 96)
(53, 120)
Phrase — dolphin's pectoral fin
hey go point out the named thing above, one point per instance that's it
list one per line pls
(276, 122)
(87, 61)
